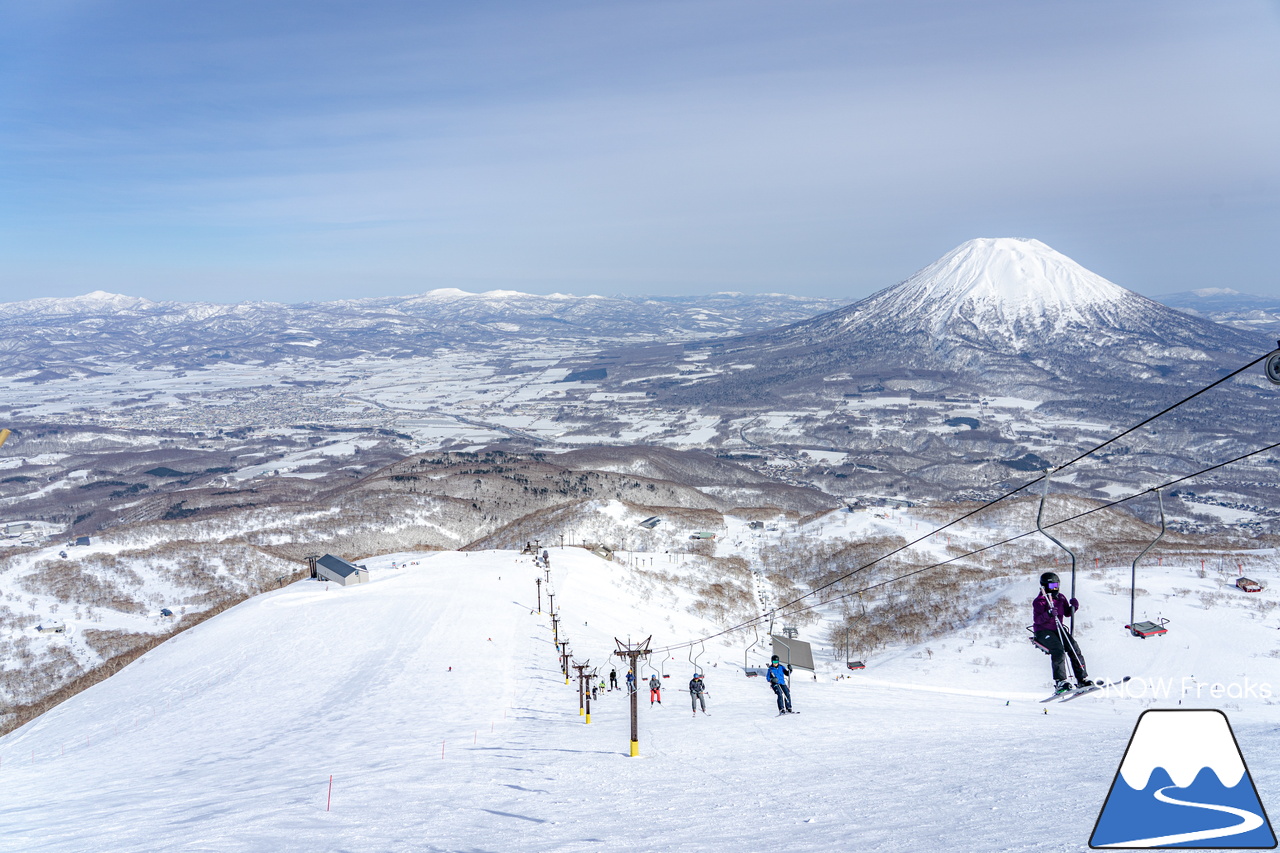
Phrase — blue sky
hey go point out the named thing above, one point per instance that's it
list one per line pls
(298, 151)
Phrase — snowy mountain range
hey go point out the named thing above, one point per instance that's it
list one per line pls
(1002, 356)
(56, 333)
(1230, 307)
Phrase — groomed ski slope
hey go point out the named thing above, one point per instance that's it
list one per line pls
(225, 738)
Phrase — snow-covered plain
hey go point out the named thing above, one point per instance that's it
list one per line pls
(433, 698)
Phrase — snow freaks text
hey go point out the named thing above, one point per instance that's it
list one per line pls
(1188, 687)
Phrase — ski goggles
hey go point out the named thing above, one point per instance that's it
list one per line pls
(1052, 585)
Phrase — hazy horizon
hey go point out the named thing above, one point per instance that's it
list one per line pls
(306, 152)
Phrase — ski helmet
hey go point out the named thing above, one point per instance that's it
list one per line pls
(1048, 578)
(775, 658)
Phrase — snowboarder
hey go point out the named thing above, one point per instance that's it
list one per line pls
(613, 679)
(698, 693)
(1048, 610)
(778, 681)
(655, 690)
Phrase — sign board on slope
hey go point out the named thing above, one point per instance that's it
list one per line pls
(794, 653)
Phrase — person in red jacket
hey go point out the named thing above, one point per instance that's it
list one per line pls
(1048, 611)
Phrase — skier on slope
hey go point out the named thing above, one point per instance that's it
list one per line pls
(1049, 610)
(698, 693)
(778, 681)
(655, 690)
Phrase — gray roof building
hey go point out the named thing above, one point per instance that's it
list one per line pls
(338, 570)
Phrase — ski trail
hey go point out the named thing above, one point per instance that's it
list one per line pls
(1249, 821)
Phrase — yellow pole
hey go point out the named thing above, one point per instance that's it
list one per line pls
(588, 719)
(4, 433)
(635, 749)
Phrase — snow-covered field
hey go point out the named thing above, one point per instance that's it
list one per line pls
(433, 699)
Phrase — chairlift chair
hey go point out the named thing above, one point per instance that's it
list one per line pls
(693, 659)
(1145, 628)
(1039, 516)
(746, 654)
(1039, 526)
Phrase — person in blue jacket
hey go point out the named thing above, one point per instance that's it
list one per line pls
(778, 681)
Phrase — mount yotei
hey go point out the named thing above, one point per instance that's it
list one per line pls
(1002, 356)
(993, 316)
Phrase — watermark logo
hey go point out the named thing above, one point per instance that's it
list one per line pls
(1183, 783)
(1187, 688)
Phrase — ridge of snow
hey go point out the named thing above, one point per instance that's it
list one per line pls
(94, 301)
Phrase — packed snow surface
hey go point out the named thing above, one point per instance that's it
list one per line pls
(424, 711)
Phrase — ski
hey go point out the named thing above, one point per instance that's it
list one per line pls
(1068, 695)
(1058, 694)
(1093, 688)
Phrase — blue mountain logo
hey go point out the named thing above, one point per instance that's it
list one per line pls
(1183, 783)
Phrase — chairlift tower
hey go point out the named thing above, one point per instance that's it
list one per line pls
(633, 653)
(584, 700)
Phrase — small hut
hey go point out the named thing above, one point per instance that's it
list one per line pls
(338, 570)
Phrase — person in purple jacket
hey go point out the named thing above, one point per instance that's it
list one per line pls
(1049, 610)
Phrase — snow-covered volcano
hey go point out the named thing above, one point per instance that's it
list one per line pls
(1007, 285)
(993, 315)
(1015, 295)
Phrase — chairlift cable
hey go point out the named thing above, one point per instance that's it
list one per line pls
(1023, 535)
(759, 619)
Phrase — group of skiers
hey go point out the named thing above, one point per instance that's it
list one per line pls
(698, 693)
(1049, 608)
